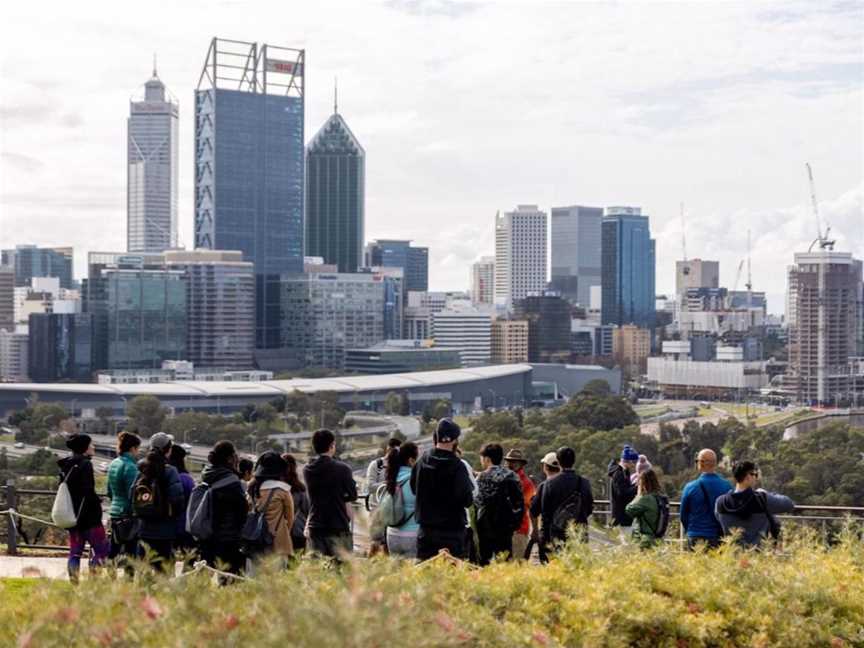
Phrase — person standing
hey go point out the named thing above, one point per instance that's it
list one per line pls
(516, 462)
(183, 540)
(301, 503)
(270, 494)
(77, 471)
(645, 510)
(376, 471)
(402, 539)
(562, 502)
(157, 501)
(443, 489)
(222, 548)
(698, 500)
(622, 490)
(331, 488)
(122, 474)
(750, 510)
(551, 469)
(499, 503)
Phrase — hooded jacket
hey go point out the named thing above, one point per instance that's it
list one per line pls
(121, 476)
(621, 493)
(229, 505)
(443, 490)
(498, 489)
(330, 484)
(750, 511)
(82, 488)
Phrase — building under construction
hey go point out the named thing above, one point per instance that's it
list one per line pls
(823, 311)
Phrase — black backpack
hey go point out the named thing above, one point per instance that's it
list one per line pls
(505, 511)
(148, 498)
(662, 517)
(570, 510)
(256, 537)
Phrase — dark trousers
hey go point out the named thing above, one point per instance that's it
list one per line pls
(161, 553)
(492, 544)
(332, 545)
(430, 541)
(120, 546)
(694, 543)
(223, 555)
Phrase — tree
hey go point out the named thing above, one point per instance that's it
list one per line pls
(41, 419)
(146, 415)
(404, 405)
(299, 403)
(597, 387)
(392, 403)
(265, 416)
(441, 409)
(104, 415)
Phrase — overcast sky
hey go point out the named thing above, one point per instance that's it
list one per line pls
(465, 108)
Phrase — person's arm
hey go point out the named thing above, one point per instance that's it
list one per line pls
(627, 489)
(288, 511)
(413, 481)
(777, 503)
(349, 485)
(684, 508)
(176, 498)
(464, 488)
(587, 498)
(372, 475)
(637, 508)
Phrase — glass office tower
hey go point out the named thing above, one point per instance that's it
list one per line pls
(628, 268)
(393, 253)
(335, 191)
(30, 261)
(60, 347)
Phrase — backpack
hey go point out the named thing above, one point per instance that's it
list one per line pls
(63, 511)
(256, 536)
(392, 507)
(148, 498)
(662, 517)
(570, 510)
(199, 511)
(773, 524)
(503, 513)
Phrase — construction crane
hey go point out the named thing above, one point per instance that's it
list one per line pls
(824, 242)
(734, 285)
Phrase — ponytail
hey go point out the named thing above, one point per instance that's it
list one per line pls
(396, 458)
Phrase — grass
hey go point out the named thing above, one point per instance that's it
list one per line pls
(807, 596)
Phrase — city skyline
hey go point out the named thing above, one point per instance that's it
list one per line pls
(724, 132)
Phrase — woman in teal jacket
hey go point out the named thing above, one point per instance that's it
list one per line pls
(645, 510)
(122, 474)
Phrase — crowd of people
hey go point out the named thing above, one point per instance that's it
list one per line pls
(240, 511)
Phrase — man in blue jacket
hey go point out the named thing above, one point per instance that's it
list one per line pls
(697, 503)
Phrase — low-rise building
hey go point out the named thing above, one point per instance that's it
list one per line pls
(401, 356)
(467, 329)
(631, 347)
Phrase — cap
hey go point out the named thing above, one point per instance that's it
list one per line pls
(551, 460)
(160, 441)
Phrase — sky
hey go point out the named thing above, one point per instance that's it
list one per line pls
(466, 108)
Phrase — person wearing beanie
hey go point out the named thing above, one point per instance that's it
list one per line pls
(443, 491)
(77, 471)
(621, 490)
(229, 508)
(641, 466)
(268, 492)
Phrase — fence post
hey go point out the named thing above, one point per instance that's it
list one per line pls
(11, 528)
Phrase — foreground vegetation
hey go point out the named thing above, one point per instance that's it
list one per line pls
(808, 596)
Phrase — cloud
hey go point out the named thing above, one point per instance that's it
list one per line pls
(448, 8)
(10, 162)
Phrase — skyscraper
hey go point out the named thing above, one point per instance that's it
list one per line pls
(548, 317)
(249, 154)
(29, 261)
(483, 281)
(628, 262)
(394, 253)
(575, 241)
(60, 347)
(695, 273)
(7, 298)
(467, 329)
(520, 253)
(335, 194)
(823, 311)
(152, 180)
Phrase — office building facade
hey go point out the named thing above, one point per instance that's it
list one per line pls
(60, 348)
(628, 262)
(696, 273)
(402, 356)
(576, 244)
(152, 171)
(466, 329)
(548, 317)
(220, 307)
(13, 356)
(631, 347)
(7, 298)
(509, 341)
(336, 195)
(29, 261)
(520, 253)
(483, 281)
(393, 253)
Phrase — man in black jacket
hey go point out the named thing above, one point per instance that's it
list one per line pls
(229, 509)
(443, 492)
(77, 471)
(621, 489)
(331, 488)
(500, 505)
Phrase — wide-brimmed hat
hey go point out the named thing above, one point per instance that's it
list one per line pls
(515, 454)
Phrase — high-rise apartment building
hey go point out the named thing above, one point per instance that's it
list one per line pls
(695, 273)
(324, 314)
(13, 356)
(138, 307)
(575, 241)
(220, 307)
(520, 253)
(483, 280)
(152, 181)
(60, 348)
(335, 195)
(548, 317)
(29, 261)
(466, 329)
(393, 253)
(631, 347)
(823, 310)
(628, 262)
(509, 341)
(7, 298)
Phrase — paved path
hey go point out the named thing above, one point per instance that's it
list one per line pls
(17, 566)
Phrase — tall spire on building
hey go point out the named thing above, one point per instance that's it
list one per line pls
(335, 95)
(155, 76)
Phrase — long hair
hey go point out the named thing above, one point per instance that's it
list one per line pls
(396, 458)
(292, 477)
(153, 465)
(177, 458)
(648, 482)
(126, 441)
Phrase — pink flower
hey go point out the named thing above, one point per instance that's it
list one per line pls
(151, 607)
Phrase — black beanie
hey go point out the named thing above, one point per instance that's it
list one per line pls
(78, 443)
(270, 466)
(447, 431)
